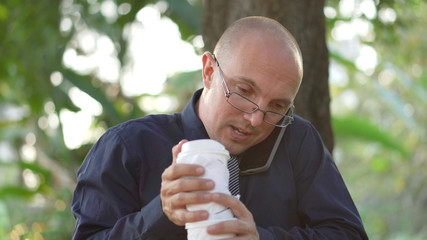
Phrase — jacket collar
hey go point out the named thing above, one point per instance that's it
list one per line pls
(192, 125)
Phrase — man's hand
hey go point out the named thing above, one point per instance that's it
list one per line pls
(179, 189)
(244, 227)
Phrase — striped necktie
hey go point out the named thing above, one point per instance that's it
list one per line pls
(233, 182)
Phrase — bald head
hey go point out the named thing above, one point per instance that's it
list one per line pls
(261, 26)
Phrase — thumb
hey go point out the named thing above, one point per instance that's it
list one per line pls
(177, 149)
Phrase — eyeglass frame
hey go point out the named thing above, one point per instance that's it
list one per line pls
(287, 118)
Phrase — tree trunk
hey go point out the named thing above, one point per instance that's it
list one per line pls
(305, 20)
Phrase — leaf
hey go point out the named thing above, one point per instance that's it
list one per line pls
(36, 168)
(355, 127)
(184, 80)
(413, 86)
(84, 84)
(62, 100)
(16, 191)
(396, 104)
(342, 60)
(380, 165)
(182, 85)
(4, 13)
(186, 16)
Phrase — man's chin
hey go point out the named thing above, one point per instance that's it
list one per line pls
(235, 148)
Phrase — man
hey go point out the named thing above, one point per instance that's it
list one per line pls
(130, 187)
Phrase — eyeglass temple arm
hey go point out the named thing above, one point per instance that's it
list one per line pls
(226, 90)
(270, 158)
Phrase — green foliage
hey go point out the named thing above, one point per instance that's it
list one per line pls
(185, 16)
(182, 85)
(357, 128)
(37, 169)
(380, 139)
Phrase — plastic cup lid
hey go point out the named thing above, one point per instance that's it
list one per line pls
(205, 145)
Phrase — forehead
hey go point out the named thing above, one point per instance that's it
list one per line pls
(265, 63)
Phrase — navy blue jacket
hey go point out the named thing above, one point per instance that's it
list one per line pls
(301, 196)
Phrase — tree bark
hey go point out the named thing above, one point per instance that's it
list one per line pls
(305, 20)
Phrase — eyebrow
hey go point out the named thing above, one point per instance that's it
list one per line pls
(252, 83)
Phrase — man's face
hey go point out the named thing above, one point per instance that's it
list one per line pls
(261, 70)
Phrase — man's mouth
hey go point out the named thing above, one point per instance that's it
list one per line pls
(240, 131)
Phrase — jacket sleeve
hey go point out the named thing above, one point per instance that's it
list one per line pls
(325, 207)
(107, 202)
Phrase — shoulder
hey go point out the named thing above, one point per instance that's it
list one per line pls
(301, 123)
(301, 128)
(148, 125)
(307, 152)
(136, 134)
(304, 138)
(133, 139)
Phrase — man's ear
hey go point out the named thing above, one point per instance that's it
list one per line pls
(208, 69)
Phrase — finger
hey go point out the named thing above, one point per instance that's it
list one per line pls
(184, 199)
(237, 207)
(177, 149)
(244, 225)
(182, 216)
(175, 207)
(187, 184)
(225, 227)
(243, 229)
(176, 171)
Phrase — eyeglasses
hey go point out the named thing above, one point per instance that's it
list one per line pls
(245, 105)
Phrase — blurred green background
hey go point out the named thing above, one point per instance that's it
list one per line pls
(71, 69)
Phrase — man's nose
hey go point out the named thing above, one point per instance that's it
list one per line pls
(256, 118)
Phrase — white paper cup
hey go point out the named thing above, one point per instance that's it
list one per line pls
(197, 230)
(213, 156)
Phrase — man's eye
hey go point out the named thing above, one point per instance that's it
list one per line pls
(243, 91)
(280, 108)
